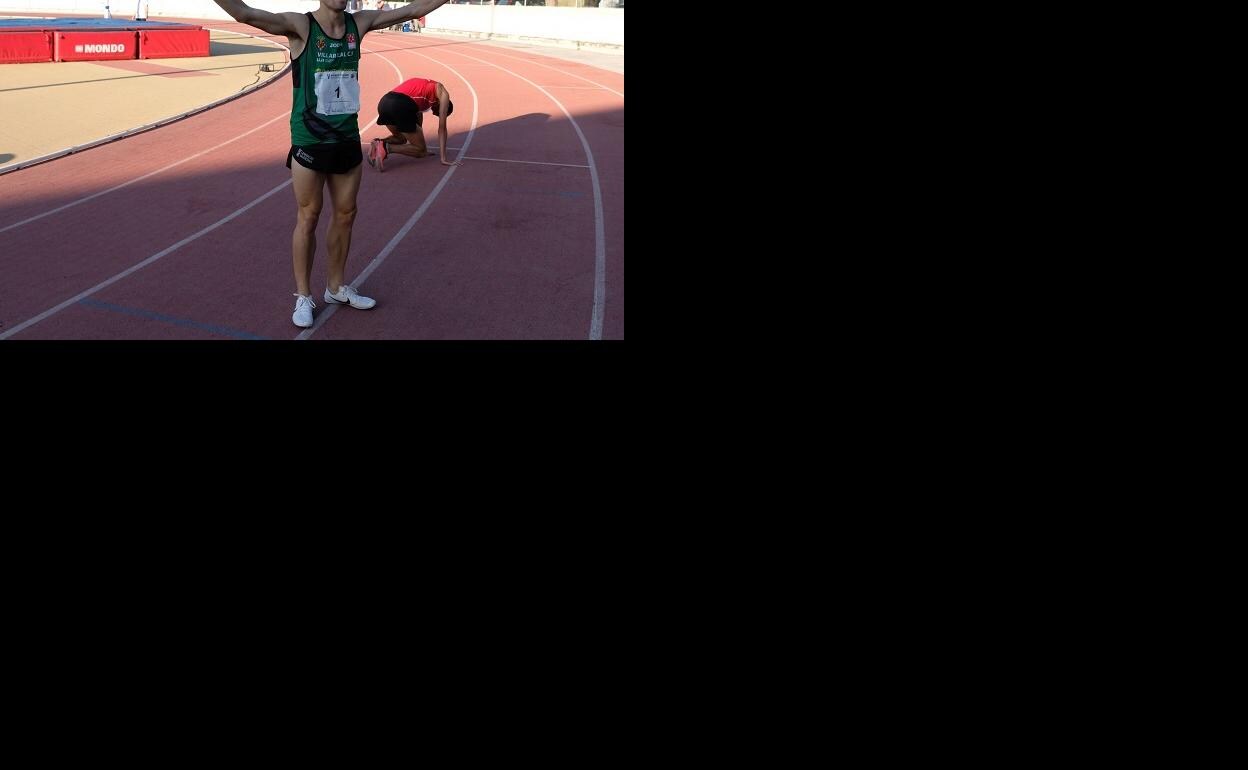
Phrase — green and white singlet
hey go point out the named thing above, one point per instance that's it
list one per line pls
(327, 87)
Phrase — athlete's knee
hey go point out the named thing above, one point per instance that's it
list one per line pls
(308, 216)
(345, 217)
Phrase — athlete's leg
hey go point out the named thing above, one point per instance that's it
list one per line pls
(308, 186)
(413, 145)
(343, 189)
(396, 136)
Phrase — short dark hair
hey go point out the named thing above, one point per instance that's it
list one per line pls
(450, 107)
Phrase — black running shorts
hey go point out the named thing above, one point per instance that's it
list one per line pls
(399, 110)
(336, 158)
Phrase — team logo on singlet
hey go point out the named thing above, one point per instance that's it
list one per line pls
(350, 40)
(320, 43)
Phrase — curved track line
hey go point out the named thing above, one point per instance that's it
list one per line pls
(135, 268)
(376, 261)
(92, 196)
(600, 238)
(164, 252)
(157, 124)
(556, 69)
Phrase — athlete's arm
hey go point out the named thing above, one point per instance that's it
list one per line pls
(444, 102)
(370, 20)
(273, 23)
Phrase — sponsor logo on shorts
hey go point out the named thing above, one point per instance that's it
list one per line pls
(300, 154)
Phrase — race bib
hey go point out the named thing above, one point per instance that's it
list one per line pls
(337, 93)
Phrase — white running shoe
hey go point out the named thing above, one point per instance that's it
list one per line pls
(303, 311)
(348, 296)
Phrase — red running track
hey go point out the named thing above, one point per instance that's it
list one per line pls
(184, 232)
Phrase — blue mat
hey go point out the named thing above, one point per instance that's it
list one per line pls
(16, 25)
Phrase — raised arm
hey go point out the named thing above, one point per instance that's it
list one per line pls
(370, 20)
(273, 23)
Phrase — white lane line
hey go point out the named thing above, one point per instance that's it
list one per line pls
(534, 162)
(187, 159)
(376, 261)
(600, 241)
(159, 123)
(512, 160)
(547, 66)
(134, 268)
(58, 308)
